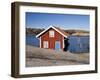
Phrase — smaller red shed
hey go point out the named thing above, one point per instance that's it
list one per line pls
(52, 38)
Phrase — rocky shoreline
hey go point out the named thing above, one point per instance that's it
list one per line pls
(36, 57)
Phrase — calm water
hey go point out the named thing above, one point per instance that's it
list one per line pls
(76, 43)
(32, 40)
(79, 44)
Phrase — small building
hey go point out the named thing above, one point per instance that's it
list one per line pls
(52, 38)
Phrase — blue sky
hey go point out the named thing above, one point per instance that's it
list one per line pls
(65, 21)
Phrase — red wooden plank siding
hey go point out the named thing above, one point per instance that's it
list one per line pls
(52, 40)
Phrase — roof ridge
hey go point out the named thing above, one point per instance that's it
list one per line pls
(62, 32)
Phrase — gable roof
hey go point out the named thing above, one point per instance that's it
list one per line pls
(55, 28)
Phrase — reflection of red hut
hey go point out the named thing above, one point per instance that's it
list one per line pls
(52, 38)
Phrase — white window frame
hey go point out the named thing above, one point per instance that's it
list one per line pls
(45, 44)
(51, 33)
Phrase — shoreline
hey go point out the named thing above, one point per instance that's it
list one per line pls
(36, 57)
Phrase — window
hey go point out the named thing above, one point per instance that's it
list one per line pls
(51, 33)
(45, 44)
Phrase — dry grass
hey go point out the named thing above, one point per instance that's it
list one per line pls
(47, 57)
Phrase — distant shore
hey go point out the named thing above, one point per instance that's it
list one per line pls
(36, 57)
(35, 31)
(80, 34)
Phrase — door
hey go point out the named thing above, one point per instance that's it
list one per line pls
(57, 45)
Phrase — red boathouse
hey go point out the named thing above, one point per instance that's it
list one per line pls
(52, 38)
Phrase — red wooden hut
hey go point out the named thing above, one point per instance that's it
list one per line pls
(52, 38)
